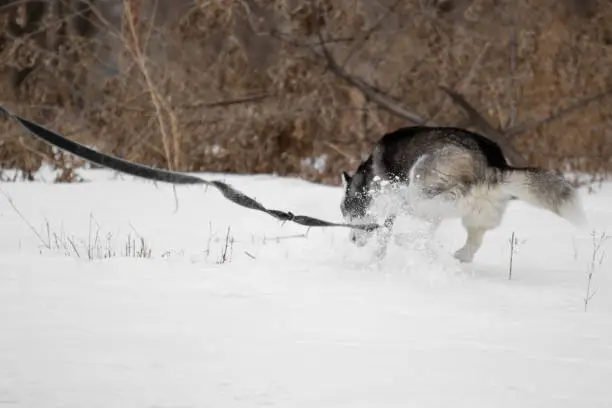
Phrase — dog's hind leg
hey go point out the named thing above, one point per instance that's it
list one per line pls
(483, 215)
(472, 245)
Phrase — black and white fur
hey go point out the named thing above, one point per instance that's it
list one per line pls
(435, 173)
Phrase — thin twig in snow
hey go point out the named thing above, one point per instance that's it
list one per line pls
(597, 257)
(512, 248)
(23, 218)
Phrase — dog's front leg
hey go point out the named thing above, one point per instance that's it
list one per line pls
(383, 237)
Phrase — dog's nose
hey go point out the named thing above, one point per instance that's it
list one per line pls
(353, 238)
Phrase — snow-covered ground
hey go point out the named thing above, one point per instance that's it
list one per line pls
(226, 307)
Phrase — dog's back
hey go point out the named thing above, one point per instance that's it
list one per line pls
(453, 164)
(460, 153)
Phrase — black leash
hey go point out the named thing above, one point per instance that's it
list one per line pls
(166, 176)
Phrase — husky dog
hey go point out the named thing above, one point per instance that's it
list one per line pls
(434, 173)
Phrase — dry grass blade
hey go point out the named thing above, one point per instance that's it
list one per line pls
(161, 106)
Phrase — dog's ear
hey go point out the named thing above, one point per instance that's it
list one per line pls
(346, 179)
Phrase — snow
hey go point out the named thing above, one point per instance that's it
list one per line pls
(289, 317)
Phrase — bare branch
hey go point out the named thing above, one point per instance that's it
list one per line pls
(486, 128)
(467, 80)
(229, 102)
(526, 127)
(475, 118)
(477, 64)
(363, 38)
(369, 91)
(341, 152)
(513, 47)
(383, 102)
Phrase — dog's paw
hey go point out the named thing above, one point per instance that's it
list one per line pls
(464, 255)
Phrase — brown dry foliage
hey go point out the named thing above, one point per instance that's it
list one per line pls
(514, 61)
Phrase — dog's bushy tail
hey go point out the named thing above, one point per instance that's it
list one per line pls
(545, 189)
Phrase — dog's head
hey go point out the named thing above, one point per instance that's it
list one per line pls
(355, 204)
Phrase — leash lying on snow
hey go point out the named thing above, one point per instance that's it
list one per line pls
(167, 176)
